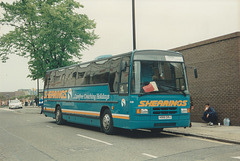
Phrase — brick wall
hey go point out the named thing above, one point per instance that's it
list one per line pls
(218, 82)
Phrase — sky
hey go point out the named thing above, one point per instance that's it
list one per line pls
(160, 24)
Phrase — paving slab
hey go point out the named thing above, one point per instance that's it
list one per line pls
(230, 134)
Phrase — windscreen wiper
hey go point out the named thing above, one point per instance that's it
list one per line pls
(183, 92)
(142, 94)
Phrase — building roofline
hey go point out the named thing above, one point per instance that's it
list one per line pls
(209, 41)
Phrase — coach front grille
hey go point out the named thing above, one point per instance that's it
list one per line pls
(164, 110)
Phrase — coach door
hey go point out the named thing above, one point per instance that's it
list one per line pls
(124, 84)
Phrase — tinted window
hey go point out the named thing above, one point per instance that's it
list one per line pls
(100, 72)
(70, 76)
(47, 80)
(114, 74)
(60, 78)
(83, 74)
(51, 80)
(125, 67)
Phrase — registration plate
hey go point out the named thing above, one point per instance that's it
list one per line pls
(165, 117)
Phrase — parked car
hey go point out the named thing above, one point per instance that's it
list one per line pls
(15, 104)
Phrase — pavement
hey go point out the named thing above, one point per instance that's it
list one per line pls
(228, 134)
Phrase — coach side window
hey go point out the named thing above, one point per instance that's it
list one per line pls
(70, 77)
(60, 78)
(100, 72)
(80, 76)
(51, 80)
(84, 74)
(114, 74)
(83, 77)
(46, 82)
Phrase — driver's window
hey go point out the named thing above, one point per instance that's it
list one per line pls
(136, 77)
(123, 88)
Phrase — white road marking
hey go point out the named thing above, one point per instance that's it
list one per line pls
(149, 155)
(104, 142)
(49, 126)
(6, 109)
(238, 157)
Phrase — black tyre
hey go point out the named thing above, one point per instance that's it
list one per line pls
(58, 116)
(107, 122)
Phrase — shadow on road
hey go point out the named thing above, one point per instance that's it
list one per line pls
(142, 134)
(135, 134)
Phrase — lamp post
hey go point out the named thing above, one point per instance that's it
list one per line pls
(133, 24)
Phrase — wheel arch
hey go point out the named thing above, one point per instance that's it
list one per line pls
(103, 109)
(57, 106)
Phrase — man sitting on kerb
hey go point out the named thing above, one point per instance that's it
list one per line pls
(209, 115)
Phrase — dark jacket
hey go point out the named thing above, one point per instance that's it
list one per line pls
(212, 115)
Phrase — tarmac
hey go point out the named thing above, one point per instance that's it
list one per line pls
(228, 134)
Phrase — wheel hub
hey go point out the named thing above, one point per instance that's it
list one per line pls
(57, 115)
(106, 121)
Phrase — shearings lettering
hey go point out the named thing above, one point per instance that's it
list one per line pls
(161, 103)
(56, 94)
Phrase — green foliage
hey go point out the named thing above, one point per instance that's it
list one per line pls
(49, 32)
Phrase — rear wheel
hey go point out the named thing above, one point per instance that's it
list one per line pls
(107, 122)
(58, 116)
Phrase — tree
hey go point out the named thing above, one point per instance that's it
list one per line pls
(49, 32)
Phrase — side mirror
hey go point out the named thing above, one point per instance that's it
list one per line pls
(123, 66)
(195, 73)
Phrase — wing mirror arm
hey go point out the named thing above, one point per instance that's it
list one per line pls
(195, 71)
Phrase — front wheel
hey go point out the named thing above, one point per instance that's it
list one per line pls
(58, 116)
(107, 122)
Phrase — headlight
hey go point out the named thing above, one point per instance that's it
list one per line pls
(185, 110)
(142, 111)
